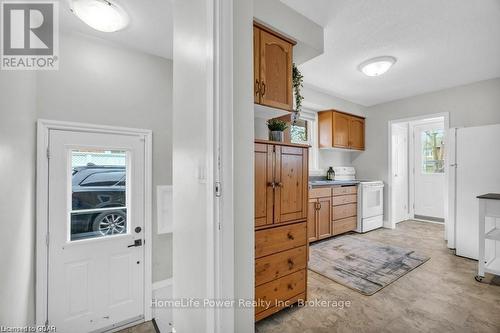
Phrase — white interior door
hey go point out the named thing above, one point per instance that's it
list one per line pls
(96, 212)
(399, 173)
(429, 170)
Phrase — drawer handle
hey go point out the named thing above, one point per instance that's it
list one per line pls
(290, 263)
(290, 236)
(290, 287)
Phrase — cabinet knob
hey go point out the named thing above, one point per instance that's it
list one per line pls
(280, 184)
(290, 236)
(271, 184)
(290, 287)
(290, 263)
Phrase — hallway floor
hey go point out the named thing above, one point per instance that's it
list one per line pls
(439, 296)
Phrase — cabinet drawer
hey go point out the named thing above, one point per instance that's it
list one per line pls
(341, 212)
(279, 239)
(344, 199)
(320, 192)
(279, 264)
(344, 190)
(344, 225)
(281, 289)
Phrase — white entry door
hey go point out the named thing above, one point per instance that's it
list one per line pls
(399, 173)
(429, 170)
(96, 222)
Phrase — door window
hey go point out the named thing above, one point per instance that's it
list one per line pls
(98, 194)
(432, 151)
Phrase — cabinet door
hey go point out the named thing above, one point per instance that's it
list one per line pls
(256, 64)
(275, 71)
(291, 176)
(341, 130)
(357, 133)
(325, 123)
(312, 222)
(263, 179)
(325, 218)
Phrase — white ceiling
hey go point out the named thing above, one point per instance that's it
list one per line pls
(438, 44)
(150, 29)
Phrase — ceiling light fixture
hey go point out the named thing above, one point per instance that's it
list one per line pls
(377, 66)
(102, 15)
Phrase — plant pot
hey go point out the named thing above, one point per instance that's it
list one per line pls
(276, 136)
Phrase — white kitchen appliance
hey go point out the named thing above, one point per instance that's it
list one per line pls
(474, 168)
(370, 205)
(370, 199)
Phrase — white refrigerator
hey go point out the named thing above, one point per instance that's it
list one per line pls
(474, 170)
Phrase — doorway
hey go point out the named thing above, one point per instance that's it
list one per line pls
(428, 177)
(400, 180)
(417, 169)
(95, 192)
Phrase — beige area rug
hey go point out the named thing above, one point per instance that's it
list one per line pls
(361, 264)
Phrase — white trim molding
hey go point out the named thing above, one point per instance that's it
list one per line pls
(42, 186)
(390, 223)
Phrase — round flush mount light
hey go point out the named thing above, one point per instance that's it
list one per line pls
(102, 15)
(377, 66)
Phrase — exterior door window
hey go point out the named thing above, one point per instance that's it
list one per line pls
(432, 151)
(98, 194)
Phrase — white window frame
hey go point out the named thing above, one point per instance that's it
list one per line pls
(312, 139)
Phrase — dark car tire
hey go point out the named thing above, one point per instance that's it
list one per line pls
(110, 223)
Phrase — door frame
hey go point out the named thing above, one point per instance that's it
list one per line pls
(42, 209)
(446, 117)
(408, 211)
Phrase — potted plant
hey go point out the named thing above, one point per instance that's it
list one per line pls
(276, 128)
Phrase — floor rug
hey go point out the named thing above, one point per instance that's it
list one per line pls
(361, 264)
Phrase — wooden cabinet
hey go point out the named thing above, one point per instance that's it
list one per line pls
(332, 211)
(273, 57)
(341, 130)
(281, 183)
(264, 205)
(319, 222)
(281, 212)
(312, 220)
(357, 133)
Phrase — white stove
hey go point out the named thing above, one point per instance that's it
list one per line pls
(370, 199)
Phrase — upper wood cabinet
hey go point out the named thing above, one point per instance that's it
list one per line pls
(341, 130)
(281, 183)
(273, 56)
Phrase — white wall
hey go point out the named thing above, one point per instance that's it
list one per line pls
(17, 197)
(469, 105)
(104, 84)
(243, 130)
(98, 83)
(192, 190)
